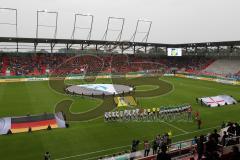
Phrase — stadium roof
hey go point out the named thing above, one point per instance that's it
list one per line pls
(101, 42)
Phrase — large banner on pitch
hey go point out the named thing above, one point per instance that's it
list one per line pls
(31, 123)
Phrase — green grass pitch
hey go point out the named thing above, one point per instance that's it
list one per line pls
(86, 140)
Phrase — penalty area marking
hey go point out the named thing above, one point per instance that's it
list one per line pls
(109, 149)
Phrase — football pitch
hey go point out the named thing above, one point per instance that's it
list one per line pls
(93, 138)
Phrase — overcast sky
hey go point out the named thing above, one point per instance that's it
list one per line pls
(174, 21)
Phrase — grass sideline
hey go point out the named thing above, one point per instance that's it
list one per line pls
(85, 137)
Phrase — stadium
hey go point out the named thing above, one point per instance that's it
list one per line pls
(115, 99)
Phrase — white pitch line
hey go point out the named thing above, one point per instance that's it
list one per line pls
(180, 129)
(109, 149)
(196, 131)
(89, 153)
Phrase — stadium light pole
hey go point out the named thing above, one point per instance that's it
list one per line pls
(88, 28)
(115, 30)
(16, 19)
(56, 22)
(145, 38)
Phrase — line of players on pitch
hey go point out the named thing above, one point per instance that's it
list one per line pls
(183, 112)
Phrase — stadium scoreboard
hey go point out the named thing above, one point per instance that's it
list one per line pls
(174, 52)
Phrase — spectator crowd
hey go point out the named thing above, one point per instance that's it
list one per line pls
(29, 64)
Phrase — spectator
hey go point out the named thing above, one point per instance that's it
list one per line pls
(200, 147)
(165, 139)
(47, 156)
(155, 146)
(146, 148)
(134, 145)
(237, 131)
(231, 130)
(194, 141)
(216, 136)
(211, 147)
(163, 155)
(134, 148)
(224, 138)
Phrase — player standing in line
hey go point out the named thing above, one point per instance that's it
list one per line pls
(158, 113)
(167, 113)
(121, 115)
(117, 115)
(162, 114)
(137, 114)
(148, 113)
(189, 111)
(126, 115)
(133, 114)
(184, 113)
(178, 110)
(109, 116)
(144, 114)
(175, 113)
(106, 117)
(129, 114)
(113, 116)
(154, 113)
(47, 156)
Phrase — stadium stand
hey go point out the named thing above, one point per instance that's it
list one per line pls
(41, 64)
(224, 67)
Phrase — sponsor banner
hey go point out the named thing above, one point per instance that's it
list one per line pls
(168, 75)
(37, 79)
(2, 80)
(13, 80)
(134, 76)
(206, 79)
(226, 81)
(192, 77)
(75, 77)
(180, 75)
(106, 76)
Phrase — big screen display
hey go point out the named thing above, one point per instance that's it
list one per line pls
(174, 52)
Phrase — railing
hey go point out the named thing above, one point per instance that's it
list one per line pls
(178, 149)
(181, 149)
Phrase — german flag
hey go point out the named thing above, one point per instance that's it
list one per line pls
(33, 123)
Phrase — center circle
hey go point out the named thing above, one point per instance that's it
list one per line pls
(99, 89)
